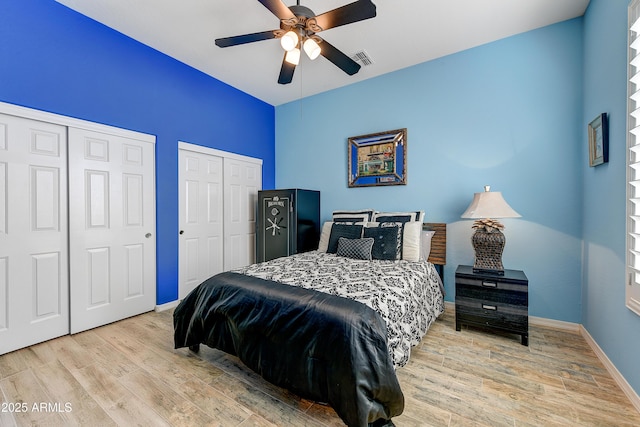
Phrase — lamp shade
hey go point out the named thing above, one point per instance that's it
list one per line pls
(293, 56)
(311, 48)
(289, 40)
(489, 204)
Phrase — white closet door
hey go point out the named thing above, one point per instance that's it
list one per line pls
(112, 228)
(201, 218)
(242, 180)
(34, 298)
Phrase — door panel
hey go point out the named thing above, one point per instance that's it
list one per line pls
(34, 294)
(112, 228)
(46, 271)
(200, 198)
(242, 181)
(98, 279)
(4, 302)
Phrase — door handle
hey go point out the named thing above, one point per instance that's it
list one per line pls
(181, 232)
(147, 235)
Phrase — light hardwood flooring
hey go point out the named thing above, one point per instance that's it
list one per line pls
(128, 373)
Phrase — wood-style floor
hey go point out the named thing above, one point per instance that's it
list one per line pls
(128, 373)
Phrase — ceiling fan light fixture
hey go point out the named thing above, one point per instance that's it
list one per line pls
(297, 25)
(293, 56)
(311, 48)
(289, 41)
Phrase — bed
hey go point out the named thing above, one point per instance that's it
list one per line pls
(329, 327)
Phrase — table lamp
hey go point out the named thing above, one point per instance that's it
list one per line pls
(488, 240)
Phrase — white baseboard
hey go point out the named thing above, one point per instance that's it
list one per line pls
(578, 328)
(554, 324)
(167, 306)
(613, 371)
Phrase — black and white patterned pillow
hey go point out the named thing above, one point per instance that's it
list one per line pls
(355, 248)
(398, 216)
(387, 241)
(352, 217)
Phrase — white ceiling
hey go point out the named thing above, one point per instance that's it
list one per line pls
(404, 33)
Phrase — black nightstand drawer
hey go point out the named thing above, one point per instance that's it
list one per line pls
(492, 301)
(494, 284)
(498, 294)
(509, 317)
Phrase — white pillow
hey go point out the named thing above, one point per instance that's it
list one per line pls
(426, 244)
(325, 234)
(411, 241)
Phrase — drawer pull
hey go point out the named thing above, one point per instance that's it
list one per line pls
(489, 284)
(489, 307)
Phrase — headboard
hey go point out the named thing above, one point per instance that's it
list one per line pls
(438, 254)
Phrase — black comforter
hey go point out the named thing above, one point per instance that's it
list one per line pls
(322, 347)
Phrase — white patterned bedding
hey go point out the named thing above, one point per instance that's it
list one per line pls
(408, 295)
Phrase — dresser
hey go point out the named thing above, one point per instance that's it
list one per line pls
(499, 302)
(288, 223)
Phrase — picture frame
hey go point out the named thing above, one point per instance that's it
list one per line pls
(598, 140)
(378, 159)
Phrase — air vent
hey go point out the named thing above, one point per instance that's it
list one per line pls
(362, 58)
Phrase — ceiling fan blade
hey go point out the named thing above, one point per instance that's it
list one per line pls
(353, 12)
(286, 71)
(245, 38)
(278, 8)
(341, 60)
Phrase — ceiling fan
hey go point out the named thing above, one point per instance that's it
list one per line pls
(299, 27)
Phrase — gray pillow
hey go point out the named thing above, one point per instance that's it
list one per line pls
(355, 248)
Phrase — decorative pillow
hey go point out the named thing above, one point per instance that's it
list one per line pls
(399, 216)
(401, 219)
(355, 248)
(425, 248)
(387, 242)
(352, 217)
(411, 241)
(324, 236)
(342, 230)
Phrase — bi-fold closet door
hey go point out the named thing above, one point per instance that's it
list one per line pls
(217, 197)
(77, 225)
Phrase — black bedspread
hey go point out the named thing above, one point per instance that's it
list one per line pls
(322, 347)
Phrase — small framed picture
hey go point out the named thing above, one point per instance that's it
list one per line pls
(378, 159)
(599, 140)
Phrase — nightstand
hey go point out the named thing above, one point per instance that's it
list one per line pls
(499, 302)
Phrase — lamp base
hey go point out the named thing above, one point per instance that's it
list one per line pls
(489, 246)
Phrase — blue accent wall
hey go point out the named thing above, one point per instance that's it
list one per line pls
(615, 328)
(506, 114)
(57, 60)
